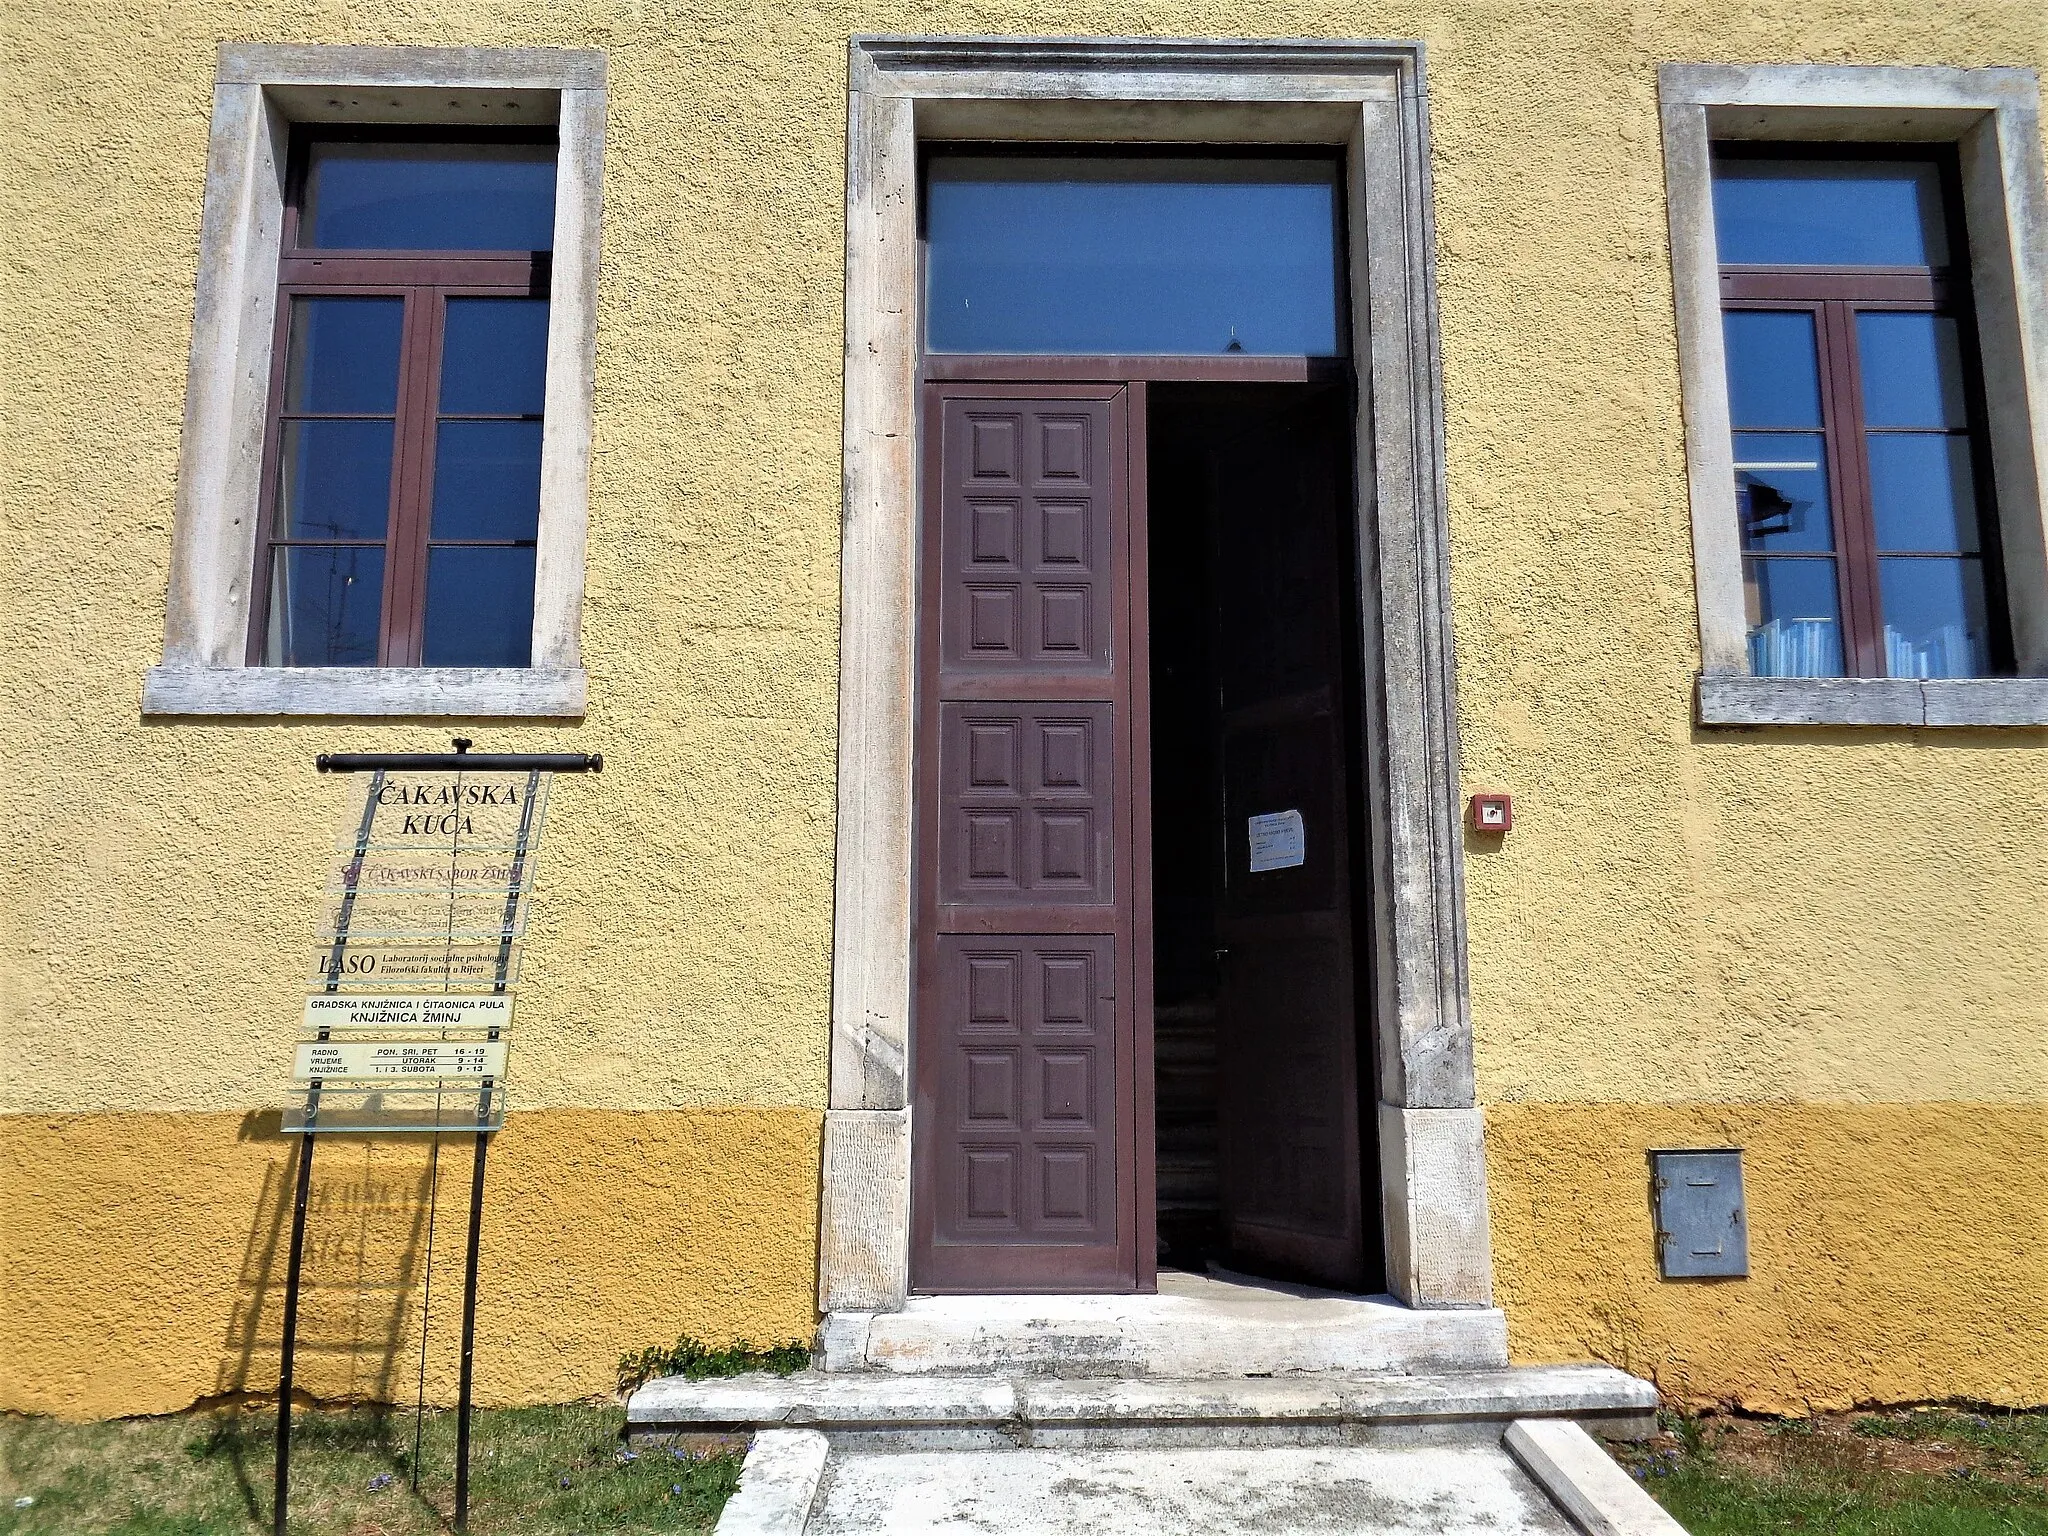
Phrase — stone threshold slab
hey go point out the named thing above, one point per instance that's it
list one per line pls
(1193, 1326)
(1041, 1411)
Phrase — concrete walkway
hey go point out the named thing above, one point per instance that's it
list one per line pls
(1274, 1491)
(1544, 1477)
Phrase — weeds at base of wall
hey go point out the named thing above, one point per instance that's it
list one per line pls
(1944, 1470)
(689, 1358)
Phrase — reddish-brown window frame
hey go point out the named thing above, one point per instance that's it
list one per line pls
(1833, 295)
(425, 280)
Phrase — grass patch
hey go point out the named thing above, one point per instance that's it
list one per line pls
(534, 1471)
(1922, 1472)
(687, 1357)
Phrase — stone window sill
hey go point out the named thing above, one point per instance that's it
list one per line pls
(506, 692)
(1726, 699)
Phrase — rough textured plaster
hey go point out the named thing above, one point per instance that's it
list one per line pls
(1708, 890)
(1828, 916)
(1898, 1252)
(143, 1255)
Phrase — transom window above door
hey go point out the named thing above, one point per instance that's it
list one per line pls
(403, 453)
(1855, 398)
(1086, 254)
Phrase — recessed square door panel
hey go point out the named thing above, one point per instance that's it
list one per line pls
(1027, 1104)
(1026, 810)
(1024, 540)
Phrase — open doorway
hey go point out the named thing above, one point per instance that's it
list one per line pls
(1137, 749)
(1266, 1147)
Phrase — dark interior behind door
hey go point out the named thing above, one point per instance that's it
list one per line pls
(1256, 718)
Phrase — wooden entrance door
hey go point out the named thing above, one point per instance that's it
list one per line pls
(1287, 1008)
(1028, 1166)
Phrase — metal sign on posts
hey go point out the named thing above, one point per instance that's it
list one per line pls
(410, 1027)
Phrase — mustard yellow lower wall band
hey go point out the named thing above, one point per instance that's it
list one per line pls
(1898, 1253)
(144, 1255)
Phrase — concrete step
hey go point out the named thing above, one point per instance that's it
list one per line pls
(995, 1412)
(1195, 1326)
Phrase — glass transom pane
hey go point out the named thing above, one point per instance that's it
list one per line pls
(1072, 254)
(374, 196)
(1781, 490)
(1773, 368)
(1934, 619)
(1863, 213)
(342, 355)
(1795, 616)
(1912, 369)
(494, 357)
(479, 607)
(1922, 494)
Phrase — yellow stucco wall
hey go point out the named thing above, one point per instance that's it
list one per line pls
(1823, 924)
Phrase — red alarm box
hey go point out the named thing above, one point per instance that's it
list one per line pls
(1493, 811)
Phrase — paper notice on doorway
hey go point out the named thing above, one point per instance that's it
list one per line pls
(1276, 841)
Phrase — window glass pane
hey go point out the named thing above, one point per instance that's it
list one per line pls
(334, 480)
(1129, 255)
(1912, 370)
(1934, 624)
(494, 356)
(1781, 491)
(342, 355)
(1864, 213)
(1921, 491)
(487, 480)
(325, 607)
(429, 197)
(479, 607)
(1795, 618)
(1773, 368)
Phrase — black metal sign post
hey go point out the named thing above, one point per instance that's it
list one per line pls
(462, 760)
(476, 1176)
(298, 1248)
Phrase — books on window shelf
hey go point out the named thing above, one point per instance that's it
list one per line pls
(1795, 648)
(1813, 648)
(1946, 652)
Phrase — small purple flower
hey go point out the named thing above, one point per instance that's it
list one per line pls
(565, 1480)
(628, 1456)
(1639, 1476)
(675, 1487)
(381, 1481)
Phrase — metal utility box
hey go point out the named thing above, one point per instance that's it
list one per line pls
(1702, 1228)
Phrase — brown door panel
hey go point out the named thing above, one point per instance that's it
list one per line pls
(1025, 1167)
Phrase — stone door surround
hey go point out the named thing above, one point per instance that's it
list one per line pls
(1368, 98)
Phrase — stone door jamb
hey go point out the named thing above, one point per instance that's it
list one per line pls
(1367, 97)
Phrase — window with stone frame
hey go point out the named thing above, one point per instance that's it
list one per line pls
(1867, 515)
(403, 447)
